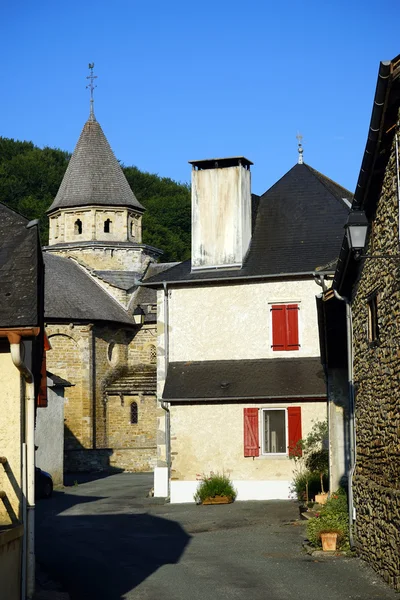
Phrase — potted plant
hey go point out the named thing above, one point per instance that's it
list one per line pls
(318, 462)
(329, 528)
(310, 456)
(215, 489)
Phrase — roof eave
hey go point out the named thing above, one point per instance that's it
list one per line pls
(388, 72)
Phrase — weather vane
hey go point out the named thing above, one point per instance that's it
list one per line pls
(299, 138)
(91, 87)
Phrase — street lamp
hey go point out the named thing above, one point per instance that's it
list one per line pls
(356, 231)
(138, 315)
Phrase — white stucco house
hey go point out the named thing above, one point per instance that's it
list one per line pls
(239, 374)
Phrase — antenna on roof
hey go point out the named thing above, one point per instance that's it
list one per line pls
(299, 138)
(91, 87)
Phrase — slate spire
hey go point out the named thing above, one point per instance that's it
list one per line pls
(94, 176)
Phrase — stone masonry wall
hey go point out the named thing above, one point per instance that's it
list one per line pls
(70, 358)
(377, 379)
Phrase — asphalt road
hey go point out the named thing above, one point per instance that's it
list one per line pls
(104, 540)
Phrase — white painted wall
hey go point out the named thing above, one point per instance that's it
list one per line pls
(11, 415)
(228, 322)
(209, 438)
(232, 322)
(49, 435)
(221, 216)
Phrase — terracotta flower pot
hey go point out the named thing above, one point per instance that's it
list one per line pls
(218, 500)
(321, 498)
(329, 541)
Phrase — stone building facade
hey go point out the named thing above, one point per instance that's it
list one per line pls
(94, 262)
(371, 287)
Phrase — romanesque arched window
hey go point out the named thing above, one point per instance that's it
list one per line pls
(153, 354)
(78, 227)
(134, 413)
(107, 226)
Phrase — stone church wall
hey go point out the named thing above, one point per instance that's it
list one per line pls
(98, 431)
(377, 383)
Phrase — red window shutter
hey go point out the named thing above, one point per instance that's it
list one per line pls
(251, 444)
(278, 327)
(294, 426)
(292, 326)
(42, 395)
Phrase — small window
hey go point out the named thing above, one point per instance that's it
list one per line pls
(132, 229)
(134, 413)
(107, 226)
(78, 227)
(274, 431)
(373, 328)
(285, 327)
(153, 354)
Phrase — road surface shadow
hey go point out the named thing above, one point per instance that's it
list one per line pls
(104, 556)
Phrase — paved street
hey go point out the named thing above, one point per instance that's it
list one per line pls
(104, 540)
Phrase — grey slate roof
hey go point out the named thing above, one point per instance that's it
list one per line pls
(298, 226)
(276, 378)
(142, 380)
(94, 176)
(56, 381)
(21, 271)
(147, 297)
(71, 294)
(124, 280)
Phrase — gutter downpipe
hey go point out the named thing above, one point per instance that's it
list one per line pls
(165, 405)
(29, 525)
(352, 433)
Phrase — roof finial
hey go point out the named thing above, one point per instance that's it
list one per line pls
(91, 87)
(299, 138)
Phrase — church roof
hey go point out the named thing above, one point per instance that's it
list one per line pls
(72, 295)
(298, 226)
(142, 379)
(93, 175)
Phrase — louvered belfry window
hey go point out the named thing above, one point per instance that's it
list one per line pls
(285, 327)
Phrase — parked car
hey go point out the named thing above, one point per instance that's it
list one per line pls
(43, 484)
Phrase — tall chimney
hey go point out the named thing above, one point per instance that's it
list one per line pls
(221, 212)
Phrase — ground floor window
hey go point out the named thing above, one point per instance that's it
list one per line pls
(272, 431)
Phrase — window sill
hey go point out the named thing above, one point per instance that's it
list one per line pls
(273, 457)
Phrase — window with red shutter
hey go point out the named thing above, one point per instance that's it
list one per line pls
(251, 439)
(294, 430)
(285, 327)
(274, 431)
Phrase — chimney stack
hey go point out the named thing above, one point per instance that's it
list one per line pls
(221, 212)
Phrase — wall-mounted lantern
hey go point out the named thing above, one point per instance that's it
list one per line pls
(138, 315)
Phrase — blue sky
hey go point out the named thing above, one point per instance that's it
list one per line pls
(180, 80)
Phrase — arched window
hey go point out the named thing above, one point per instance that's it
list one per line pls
(134, 413)
(107, 226)
(78, 227)
(153, 354)
(133, 229)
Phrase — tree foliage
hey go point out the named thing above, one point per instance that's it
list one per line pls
(30, 178)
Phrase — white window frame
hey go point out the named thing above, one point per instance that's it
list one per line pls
(262, 426)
